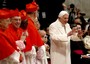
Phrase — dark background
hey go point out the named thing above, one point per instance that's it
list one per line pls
(50, 7)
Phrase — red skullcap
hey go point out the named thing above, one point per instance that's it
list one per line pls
(23, 14)
(4, 13)
(14, 12)
(31, 7)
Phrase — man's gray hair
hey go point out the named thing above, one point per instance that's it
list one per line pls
(62, 13)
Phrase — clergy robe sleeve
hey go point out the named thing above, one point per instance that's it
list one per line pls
(5, 48)
(14, 57)
(55, 35)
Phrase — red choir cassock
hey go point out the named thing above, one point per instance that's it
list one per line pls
(33, 32)
(14, 33)
(5, 48)
(28, 44)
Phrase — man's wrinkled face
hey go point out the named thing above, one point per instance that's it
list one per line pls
(64, 19)
(16, 21)
(5, 22)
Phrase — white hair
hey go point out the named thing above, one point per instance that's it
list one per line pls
(62, 13)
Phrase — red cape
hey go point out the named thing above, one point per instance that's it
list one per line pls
(16, 33)
(13, 34)
(28, 44)
(5, 48)
(34, 34)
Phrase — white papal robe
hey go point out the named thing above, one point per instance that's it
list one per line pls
(60, 43)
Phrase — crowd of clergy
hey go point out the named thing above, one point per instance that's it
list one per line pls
(21, 40)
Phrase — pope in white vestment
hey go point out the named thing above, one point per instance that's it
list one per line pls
(60, 40)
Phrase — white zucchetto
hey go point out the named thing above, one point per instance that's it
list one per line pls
(62, 13)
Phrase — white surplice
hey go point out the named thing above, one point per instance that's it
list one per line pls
(30, 56)
(41, 55)
(12, 59)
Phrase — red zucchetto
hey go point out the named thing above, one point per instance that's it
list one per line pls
(14, 13)
(23, 14)
(4, 13)
(31, 7)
